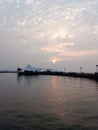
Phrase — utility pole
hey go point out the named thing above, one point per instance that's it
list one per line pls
(96, 68)
(80, 69)
(64, 70)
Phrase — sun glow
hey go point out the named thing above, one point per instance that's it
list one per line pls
(53, 61)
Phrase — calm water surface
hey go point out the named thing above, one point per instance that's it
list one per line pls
(48, 103)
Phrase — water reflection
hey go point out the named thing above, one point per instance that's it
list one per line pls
(54, 82)
(96, 85)
(49, 103)
(28, 79)
(58, 98)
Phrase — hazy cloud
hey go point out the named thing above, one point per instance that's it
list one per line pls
(52, 29)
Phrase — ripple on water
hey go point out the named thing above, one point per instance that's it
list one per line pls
(48, 103)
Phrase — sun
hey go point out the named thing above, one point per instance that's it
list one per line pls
(54, 61)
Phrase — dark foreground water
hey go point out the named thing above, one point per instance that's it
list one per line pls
(48, 103)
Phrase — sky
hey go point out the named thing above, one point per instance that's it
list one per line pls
(49, 34)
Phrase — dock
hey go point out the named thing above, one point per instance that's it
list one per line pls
(93, 76)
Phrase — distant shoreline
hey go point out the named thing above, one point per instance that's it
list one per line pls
(8, 71)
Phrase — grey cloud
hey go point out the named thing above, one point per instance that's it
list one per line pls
(28, 26)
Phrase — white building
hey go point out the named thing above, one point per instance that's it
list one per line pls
(29, 68)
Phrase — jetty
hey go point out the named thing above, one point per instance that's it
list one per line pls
(29, 70)
(93, 76)
(82, 75)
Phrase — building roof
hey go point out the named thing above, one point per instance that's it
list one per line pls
(29, 68)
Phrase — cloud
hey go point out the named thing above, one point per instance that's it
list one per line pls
(28, 1)
(58, 48)
(57, 28)
(58, 51)
(62, 52)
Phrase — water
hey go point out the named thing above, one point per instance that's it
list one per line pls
(48, 103)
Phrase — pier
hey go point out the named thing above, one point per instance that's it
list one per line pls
(29, 70)
(93, 76)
